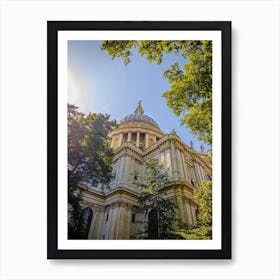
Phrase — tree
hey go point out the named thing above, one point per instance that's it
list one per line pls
(76, 133)
(202, 229)
(89, 159)
(158, 210)
(190, 93)
(204, 198)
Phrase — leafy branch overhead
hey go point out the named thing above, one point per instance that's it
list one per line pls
(190, 93)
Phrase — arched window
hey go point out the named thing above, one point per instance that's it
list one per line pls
(196, 212)
(153, 225)
(86, 217)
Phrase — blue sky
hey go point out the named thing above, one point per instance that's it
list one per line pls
(98, 84)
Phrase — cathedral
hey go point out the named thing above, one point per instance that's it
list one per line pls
(111, 211)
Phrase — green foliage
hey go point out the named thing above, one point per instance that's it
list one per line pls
(190, 93)
(153, 199)
(198, 233)
(204, 198)
(202, 229)
(89, 157)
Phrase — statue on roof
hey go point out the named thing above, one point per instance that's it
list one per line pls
(139, 110)
(191, 145)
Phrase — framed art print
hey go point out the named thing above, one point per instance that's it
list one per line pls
(139, 140)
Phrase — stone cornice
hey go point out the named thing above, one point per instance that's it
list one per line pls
(202, 161)
(133, 193)
(182, 185)
(89, 191)
(121, 191)
(94, 207)
(134, 126)
(120, 203)
(130, 150)
(118, 195)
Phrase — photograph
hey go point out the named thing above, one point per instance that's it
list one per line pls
(139, 169)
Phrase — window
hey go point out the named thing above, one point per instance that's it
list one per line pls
(196, 212)
(107, 216)
(86, 216)
(209, 178)
(153, 224)
(133, 218)
(125, 138)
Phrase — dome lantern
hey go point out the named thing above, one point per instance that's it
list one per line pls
(139, 110)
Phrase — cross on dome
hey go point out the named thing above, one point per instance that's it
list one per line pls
(139, 110)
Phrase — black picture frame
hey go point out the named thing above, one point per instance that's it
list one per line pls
(53, 27)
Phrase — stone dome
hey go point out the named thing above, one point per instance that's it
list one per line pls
(139, 116)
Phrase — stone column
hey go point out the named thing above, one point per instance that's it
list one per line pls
(126, 170)
(120, 223)
(197, 168)
(109, 222)
(193, 176)
(101, 224)
(117, 172)
(120, 139)
(138, 139)
(112, 141)
(131, 173)
(113, 223)
(110, 211)
(155, 139)
(146, 140)
(167, 159)
(202, 173)
(188, 206)
(180, 204)
(197, 173)
(174, 162)
(185, 167)
(129, 137)
(193, 213)
(128, 221)
(124, 225)
(97, 224)
(92, 225)
(186, 211)
(116, 222)
(179, 160)
(162, 157)
(122, 169)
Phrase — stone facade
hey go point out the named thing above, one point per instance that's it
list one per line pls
(114, 207)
